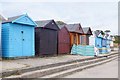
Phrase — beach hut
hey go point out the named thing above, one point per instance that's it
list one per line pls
(92, 39)
(112, 42)
(46, 38)
(85, 37)
(101, 42)
(75, 31)
(63, 40)
(108, 40)
(18, 36)
(98, 39)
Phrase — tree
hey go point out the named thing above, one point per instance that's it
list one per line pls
(117, 39)
(60, 22)
(107, 30)
(102, 33)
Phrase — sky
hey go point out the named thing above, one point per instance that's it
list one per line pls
(99, 14)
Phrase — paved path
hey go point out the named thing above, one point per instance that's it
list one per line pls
(108, 70)
(34, 62)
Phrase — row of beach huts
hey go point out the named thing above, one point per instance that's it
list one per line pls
(23, 37)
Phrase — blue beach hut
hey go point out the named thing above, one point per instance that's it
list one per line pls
(100, 42)
(18, 36)
(108, 43)
(98, 39)
(104, 44)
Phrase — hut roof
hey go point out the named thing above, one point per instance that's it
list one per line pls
(97, 32)
(2, 18)
(74, 28)
(43, 23)
(10, 19)
(20, 19)
(46, 23)
(61, 26)
(87, 30)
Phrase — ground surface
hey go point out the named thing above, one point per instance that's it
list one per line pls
(108, 70)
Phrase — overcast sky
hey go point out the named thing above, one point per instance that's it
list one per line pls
(97, 15)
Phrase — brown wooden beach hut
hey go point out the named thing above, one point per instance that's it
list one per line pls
(86, 35)
(46, 37)
(63, 40)
(75, 31)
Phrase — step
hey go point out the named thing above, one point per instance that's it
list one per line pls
(29, 69)
(48, 71)
(78, 69)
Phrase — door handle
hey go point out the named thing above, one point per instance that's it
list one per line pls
(22, 32)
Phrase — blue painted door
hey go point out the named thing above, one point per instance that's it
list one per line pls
(27, 41)
(21, 42)
(15, 43)
(104, 43)
(98, 42)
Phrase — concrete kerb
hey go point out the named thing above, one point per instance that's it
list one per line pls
(40, 73)
(82, 68)
(23, 70)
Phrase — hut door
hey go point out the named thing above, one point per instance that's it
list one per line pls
(83, 40)
(16, 41)
(26, 41)
(74, 39)
(52, 47)
(44, 42)
(48, 42)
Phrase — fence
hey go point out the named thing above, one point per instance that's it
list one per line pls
(84, 50)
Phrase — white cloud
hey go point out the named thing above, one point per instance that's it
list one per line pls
(102, 15)
(59, 0)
